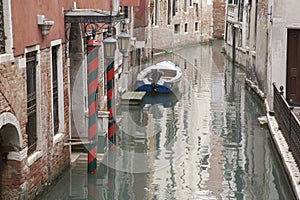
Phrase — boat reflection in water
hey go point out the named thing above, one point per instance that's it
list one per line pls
(162, 77)
(166, 100)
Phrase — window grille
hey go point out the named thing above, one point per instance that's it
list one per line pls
(55, 89)
(2, 33)
(31, 127)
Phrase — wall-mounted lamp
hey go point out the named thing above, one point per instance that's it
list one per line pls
(123, 41)
(109, 46)
(45, 24)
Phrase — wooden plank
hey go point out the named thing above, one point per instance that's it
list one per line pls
(133, 97)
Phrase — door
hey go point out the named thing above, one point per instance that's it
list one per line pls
(293, 67)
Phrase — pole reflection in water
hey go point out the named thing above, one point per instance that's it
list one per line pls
(202, 142)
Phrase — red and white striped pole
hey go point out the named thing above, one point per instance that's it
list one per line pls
(92, 103)
(110, 79)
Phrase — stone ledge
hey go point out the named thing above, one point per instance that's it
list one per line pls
(18, 156)
(58, 138)
(286, 156)
(34, 157)
(7, 57)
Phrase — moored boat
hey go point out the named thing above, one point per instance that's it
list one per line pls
(162, 77)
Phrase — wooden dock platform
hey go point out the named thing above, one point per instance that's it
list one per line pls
(133, 97)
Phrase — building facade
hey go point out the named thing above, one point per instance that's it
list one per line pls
(247, 39)
(166, 24)
(262, 35)
(179, 23)
(283, 62)
(42, 61)
(43, 76)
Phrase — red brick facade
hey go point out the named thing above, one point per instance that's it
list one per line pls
(219, 10)
(18, 179)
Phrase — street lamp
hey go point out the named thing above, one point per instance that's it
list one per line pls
(109, 46)
(123, 41)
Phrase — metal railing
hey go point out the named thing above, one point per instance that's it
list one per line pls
(288, 122)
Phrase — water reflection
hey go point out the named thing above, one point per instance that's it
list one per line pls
(204, 142)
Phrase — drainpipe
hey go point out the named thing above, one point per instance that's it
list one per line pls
(233, 44)
(233, 62)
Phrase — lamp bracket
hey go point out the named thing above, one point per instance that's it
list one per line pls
(89, 28)
(45, 24)
(43, 21)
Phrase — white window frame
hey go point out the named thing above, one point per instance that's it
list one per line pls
(61, 126)
(7, 17)
(39, 133)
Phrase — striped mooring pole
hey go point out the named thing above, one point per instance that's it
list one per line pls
(92, 60)
(110, 79)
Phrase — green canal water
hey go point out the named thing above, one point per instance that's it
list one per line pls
(203, 141)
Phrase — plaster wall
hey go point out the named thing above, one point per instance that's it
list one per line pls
(284, 16)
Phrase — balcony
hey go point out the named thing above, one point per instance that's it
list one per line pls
(232, 13)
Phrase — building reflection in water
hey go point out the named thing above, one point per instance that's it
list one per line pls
(206, 142)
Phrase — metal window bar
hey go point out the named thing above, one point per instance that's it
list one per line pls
(31, 127)
(55, 90)
(288, 122)
(2, 33)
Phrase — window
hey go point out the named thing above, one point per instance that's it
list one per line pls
(126, 12)
(196, 26)
(155, 15)
(31, 127)
(240, 13)
(175, 7)
(186, 27)
(240, 37)
(55, 89)
(185, 5)
(2, 33)
(58, 120)
(176, 28)
(169, 12)
(191, 3)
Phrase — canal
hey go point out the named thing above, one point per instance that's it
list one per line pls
(202, 141)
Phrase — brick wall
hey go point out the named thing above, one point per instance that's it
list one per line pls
(55, 157)
(219, 11)
(14, 175)
(13, 92)
(50, 165)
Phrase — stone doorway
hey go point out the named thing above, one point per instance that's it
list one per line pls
(293, 67)
(10, 143)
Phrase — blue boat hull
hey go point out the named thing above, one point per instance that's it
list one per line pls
(154, 88)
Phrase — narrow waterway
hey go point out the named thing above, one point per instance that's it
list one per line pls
(203, 141)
